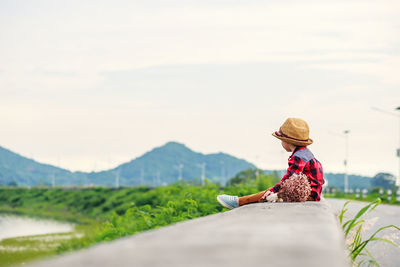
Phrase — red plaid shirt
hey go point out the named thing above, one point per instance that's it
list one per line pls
(303, 161)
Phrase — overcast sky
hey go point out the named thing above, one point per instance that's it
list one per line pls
(87, 85)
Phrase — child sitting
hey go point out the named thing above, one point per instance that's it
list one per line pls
(294, 134)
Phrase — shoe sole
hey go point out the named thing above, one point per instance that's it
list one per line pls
(224, 204)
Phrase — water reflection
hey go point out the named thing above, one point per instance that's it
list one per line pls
(14, 226)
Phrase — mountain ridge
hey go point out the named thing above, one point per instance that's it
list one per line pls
(158, 166)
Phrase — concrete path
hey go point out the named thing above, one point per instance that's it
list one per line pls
(386, 254)
(264, 234)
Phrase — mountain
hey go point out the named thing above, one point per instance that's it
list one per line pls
(337, 179)
(161, 166)
(355, 181)
(17, 169)
(156, 167)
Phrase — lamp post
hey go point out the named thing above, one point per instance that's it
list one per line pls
(346, 156)
(398, 149)
(346, 178)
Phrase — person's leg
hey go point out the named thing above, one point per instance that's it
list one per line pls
(251, 198)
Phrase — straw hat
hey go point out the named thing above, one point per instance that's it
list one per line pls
(294, 131)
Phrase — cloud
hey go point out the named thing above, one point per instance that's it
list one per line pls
(384, 69)
(92, 79)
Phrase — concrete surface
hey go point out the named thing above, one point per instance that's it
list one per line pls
(262, 234)
(386, 254)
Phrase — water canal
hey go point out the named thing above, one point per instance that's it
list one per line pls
(16, 226)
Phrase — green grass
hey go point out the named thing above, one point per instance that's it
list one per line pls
(104, 214)
(369, 198)
(24, 249)
(353, 228)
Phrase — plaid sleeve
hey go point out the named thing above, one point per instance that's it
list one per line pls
(315, 175)
(296, 165)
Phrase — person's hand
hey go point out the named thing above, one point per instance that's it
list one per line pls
(264, 197)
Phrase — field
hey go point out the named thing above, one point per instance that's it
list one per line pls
(104, 214)
(373, 195)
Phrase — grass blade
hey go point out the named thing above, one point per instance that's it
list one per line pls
(343, 211)
(371, 205)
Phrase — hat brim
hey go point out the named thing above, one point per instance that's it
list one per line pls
(293, 141)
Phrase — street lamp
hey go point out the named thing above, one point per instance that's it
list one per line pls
(398, 149)
(346, 178)
(346, 156)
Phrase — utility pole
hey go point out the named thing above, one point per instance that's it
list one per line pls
(282, 171)
(53, 180)
(398, 149)
(141, 176)
(257, 172)
(203, 172)
(346, 178)
(180, 167)
(117, 178)
(222, 173)
(158, 182)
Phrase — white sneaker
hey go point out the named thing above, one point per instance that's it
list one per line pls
(228, 201)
